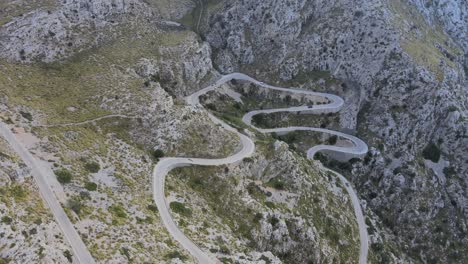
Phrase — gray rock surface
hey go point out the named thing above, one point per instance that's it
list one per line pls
(400, 65)
(452, 14)
(48, 34)
(405, 79)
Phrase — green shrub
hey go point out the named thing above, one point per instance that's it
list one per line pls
(258, 217)
(33, 231)
(92, 167)
(26, 115)
(276, 183)
(155, 78)
(85, 195)
(431, 152)
(91, 186)
(7, 220)
(332, 140)
(75, 205)
(158, 153)
(224, 250)
(320, 157)
(289, 138)
(260, 120)
(211, 106)
(180, 209)
(18, 193)
(124, 251)
(237, 106)
(63, 176)
(270, 205)
(273, 221)
(176, 254)
(146, 220)
(153, 208)
(247, 159)
(68, 255)
(118, 211)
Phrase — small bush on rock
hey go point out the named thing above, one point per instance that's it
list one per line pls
(332, 140)
(63, 176)
(92, 167)
(7, 220)
(91, 186)
(180, 209)
(158, 153)
(431, 152)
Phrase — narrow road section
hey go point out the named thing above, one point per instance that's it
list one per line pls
(40, 173)
(363, 235)
(86, 122)
(248, 147)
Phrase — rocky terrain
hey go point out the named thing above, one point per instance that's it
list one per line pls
(401, 67)
(103, 167)
(262, 209)
(28, 232)
(405, 84)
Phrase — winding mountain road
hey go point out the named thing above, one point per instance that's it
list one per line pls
(165, 165)
(40, 174)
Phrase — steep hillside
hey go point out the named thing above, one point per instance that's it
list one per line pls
(99, 113)
(28, 232)
(95, 90)
(405, 88)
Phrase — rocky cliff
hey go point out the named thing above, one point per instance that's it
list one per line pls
(400, 65)
(406, 92)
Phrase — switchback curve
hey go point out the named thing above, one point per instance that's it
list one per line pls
(165, 165)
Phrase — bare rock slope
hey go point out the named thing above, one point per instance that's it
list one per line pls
(405, 78)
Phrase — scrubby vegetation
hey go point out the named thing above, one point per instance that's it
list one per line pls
(75, 205)
(332, 140)
(91, 186)
(175, 255)
(119, 215)
(157, 153)
(6, 219)
(63, 176)
(180, 208)
(426, 44)
(92, 167)
(219, 189)
(276, 183)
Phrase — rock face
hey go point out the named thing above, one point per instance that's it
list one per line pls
(275, 204)
(54, 33)
(182, 68)
(453, 15)
(401, 67)
(131, 66)
(405, 78)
